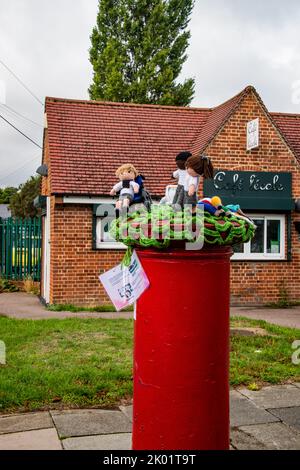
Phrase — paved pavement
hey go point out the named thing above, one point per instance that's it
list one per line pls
(289, 317)
(261, 420)
(25, 306)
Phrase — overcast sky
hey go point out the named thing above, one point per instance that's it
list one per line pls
(234, 43)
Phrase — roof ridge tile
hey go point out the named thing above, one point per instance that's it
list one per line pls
(50, 99)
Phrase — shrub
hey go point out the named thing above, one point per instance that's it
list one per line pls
(30, 286)
(7, 286)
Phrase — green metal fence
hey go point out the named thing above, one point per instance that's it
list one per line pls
(20, 248)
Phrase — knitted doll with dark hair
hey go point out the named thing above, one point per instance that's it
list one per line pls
(180, 174)
(196, 167)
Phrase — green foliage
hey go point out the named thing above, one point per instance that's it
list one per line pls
(21, 203)
(30, 286)
(73, 308)
(7, 286)
(138, 50)
(6, 194)
(284, 299)
(253, 386)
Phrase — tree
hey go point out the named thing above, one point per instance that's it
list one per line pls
(138, 50)
(21, 204)
(6, 194)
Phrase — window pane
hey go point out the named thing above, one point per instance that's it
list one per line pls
(273, 236)
(238, 248)
(257, 243)
(103, 226)
(106, 235)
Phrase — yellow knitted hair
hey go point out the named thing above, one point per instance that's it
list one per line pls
(216, 201)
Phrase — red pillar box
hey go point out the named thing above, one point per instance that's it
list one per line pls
(181, 351)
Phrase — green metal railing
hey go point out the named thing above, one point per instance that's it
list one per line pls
(20, 248)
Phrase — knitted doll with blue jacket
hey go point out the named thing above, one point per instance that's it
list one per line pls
(127, 187)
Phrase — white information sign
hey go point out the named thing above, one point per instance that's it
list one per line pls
(125, 284)
(253, 134)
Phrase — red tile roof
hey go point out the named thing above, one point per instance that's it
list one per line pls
(88, 140)
(289, 125)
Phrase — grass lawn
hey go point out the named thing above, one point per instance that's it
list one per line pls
(88, 363)
(258, 360)
(70, 363)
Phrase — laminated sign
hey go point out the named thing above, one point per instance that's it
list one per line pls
(125, 284)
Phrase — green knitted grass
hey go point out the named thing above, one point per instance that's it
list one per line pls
(162, 227)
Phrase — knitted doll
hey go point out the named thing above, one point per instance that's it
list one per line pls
(235, 209)
(228, 210)
(180, 174)
(196, 167)
(127, 187)
(213, 206)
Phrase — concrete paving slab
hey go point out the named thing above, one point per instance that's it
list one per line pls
(104, 442)
(297, 384)
(248, 331)
(43, 439)
(128, 411)
(245, 412)
(289, 317)
(242, 441)
(290, 416)
(275, 436)
(25, 422)
(74, 423)
(22, 306)
(276, 396)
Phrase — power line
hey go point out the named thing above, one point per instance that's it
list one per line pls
(22, 83)
(20, 168)
(26, 127)
(18, 130)
(11, 110)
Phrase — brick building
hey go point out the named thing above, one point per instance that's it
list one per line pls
(256, 155)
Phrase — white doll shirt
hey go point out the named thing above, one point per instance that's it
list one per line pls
(180, 175)
(124, 191)
(190, 181)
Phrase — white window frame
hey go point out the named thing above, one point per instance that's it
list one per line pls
(248, 256)
(102, 245)
(106, 245)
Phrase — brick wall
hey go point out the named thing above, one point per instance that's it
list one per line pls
(75, 266)
(254, 282)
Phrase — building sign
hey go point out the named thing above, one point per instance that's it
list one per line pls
(253, 134)
(252, 190)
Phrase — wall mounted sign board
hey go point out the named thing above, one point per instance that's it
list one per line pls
(252, 190)
(253, 134)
